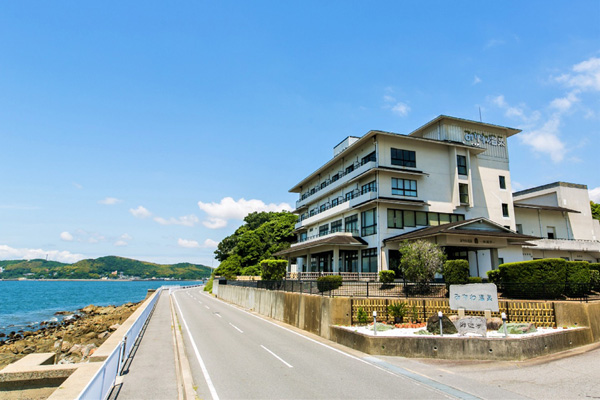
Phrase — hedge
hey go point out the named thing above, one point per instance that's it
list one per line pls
(549, 277)
(329, 282)
(456, 272)
(386, 276)
(273, 270)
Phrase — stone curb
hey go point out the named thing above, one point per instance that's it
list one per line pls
(185, 381)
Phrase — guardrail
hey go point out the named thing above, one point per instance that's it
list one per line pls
(103, 381)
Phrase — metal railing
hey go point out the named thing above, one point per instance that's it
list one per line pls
(103, 381)
(540, 291)
(339, 200)
(346, 276)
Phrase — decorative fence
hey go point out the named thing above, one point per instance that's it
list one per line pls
(346, 276)
(103, 381)
(539, 312)
(407, 290)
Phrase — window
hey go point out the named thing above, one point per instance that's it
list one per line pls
(324, 230)
(505, 210)
(368, 222)
(456, 217)
(369, 187)
(433, 219)
(323, 207)
(335, 202)
(461, 163)
(409, 218)
(463, 193)
(367, 158)
(551, 232)
(323, 184)
(369, 260)
(421, 218)
(404, 187)
(500, 260)
(395, 219)
(520, 229)
(302, 237)
(335, 177)
(350, 169)
(502, 181)
(404, 158)
(444, 218)
(349, 196)
(336, 226)
(351, 224)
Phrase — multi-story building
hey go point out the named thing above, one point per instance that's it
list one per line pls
(559, 213)
(448, 182)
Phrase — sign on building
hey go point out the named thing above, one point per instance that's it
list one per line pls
(474, 297)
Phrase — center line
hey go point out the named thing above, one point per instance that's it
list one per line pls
(276, 356)
(207, 307)
(218, 315)
(239, 330)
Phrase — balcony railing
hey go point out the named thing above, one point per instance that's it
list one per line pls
(337, 201)
(334, 178)
(354, 232)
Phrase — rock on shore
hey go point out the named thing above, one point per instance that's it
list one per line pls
(74, 339)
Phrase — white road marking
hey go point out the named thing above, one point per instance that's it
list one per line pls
(211, 387)
(276, 356)
(207, 307)
(239, 330)
(218, 315)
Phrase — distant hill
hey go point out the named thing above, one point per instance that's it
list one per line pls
(110, 267)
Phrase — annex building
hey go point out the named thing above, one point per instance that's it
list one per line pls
(447, 182)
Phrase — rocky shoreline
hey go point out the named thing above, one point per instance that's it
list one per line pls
(73, 339)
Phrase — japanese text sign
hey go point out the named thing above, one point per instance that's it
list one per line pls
(474, 297)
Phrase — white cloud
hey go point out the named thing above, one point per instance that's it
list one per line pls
(401, 109)
(121, 243)
(585, 76)
(66, 236)
(110, 201)
(220, 213)
(186, 220)
(211, 244)
(140, 212)
(188, 244)
(476, 80)
(564, 104)
(10, 253)
(595, 194)
(125, 236)
(388, 99)
(546, 140)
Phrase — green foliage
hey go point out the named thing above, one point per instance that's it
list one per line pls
(262, 235)
(549, 277)
(494, 276)
(398, 310)
(456, 272)
(421, 260)
(595, 280)
(362, 316)
(595, 210)
(273, 270)
(414, 313)
(474, 279)
(594, 266)
(386, 276)
(329, 282)
(230, 268)
(253, 270)
(209, 285)
(101, 267)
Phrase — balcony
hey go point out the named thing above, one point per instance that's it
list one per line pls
(566, 245)
(338, 180)
(337, 205)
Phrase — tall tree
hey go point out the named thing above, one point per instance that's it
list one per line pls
(595, 210)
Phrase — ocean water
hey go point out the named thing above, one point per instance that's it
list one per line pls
(26, 303)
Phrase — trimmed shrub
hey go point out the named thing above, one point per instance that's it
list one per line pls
(362, 316)
(594, 266)
(578, 278)
(329, 282)
(273, 270)
(494, 276)
(595, 280)
(456, 272)
(387, 276)
(252, 270)
(475, 279)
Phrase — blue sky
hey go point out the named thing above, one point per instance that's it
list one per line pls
(148, 130)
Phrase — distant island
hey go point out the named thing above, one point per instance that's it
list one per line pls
(110, 267)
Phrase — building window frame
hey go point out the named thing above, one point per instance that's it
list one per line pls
(404, 158)
(336, 226)
(323, 230)
(502, 181)
(404, 187)
(505, 212)
(368, 187)
(369, 157)
(369, 260)
(351, 224)
(394, 218)
(461, 165)
(463, 193)
(368, 222)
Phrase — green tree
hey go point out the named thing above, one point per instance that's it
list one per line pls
(595, 210)
(421, 260)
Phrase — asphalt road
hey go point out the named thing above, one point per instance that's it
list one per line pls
(238, 355)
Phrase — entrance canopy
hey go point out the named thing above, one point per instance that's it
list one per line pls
(345, 240)
(476, 232)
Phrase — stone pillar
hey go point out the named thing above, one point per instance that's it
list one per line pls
(494, 257)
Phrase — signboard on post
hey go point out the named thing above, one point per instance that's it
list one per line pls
(474, 297)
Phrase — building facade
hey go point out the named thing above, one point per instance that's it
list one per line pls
(447, 182)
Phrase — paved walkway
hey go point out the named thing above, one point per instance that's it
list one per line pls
(151, 374)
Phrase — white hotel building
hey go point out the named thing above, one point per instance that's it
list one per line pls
(447, 182)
